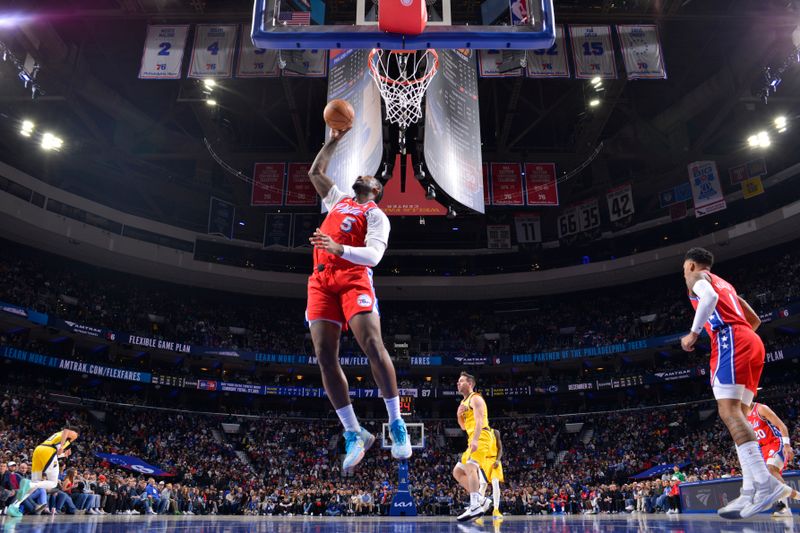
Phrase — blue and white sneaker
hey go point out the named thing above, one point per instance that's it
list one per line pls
(401, 444)
(355, 445)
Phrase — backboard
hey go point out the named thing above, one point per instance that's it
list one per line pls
(271, 30)
(416, 434)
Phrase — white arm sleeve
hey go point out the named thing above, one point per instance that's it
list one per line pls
(335, 195)
(377, 239)
(708, 302)
(369, 255)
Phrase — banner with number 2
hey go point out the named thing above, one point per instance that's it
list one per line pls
(212, 55)
(163, 52)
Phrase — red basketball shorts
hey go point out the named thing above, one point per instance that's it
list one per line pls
(338, 294)
(737, 360)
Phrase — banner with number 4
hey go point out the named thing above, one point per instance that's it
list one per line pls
(212, 55)
(163, 52)
(620, 202)
(593, 52)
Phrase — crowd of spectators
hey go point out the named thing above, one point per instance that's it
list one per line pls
(97, 297)
(279, 466)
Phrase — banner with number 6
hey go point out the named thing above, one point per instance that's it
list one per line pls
(593, 52)
(212, 54)
(163, 52)
(620, 202)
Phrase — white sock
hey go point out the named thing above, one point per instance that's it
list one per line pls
(348, 418)
(496, 494)
(747, 476)
(474, 499)
(482, 489)
(752, 460)
(393, 408)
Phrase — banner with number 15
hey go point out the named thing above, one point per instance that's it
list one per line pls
(212, 55)
(163, 52)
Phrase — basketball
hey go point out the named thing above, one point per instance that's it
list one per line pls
(339, 115)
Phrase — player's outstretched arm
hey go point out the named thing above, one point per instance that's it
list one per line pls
(321, 182)
(499, 445)
(776, 421)
(749, 314)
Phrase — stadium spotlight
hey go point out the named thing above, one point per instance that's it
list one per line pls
(209, 83)
(27, 128)
(780, 123)
(211, 102)
(596, 81)
(753, 141)
(51, 142)
(763, 139)
(594, 103)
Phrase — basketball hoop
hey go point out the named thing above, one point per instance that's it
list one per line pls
(402, 77)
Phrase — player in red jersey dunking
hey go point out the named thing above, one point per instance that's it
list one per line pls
(737, 359)
(776, 447)
(352, 238)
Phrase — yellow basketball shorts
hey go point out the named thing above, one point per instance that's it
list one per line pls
(493, 473)
(485, 444)
(45, 462)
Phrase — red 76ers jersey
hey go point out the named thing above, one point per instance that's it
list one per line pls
(767, 434)
(728, 312)
(350, 223)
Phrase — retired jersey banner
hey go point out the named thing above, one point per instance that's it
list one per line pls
(507, 184)
(212, 54)
(277, 229)
(486, 185)
(268, 184)
(163, 52)
(500, 63)
(641, 51)
(220, 217)
(568, 223)
(305, 63)
(255, 62)
(299, 189)
(588, 215)
(593, 52)
(752, 187)
(529, 228)
(551, 62)
(541, 182)
(304, 226)
(620, 202)
(706, 188)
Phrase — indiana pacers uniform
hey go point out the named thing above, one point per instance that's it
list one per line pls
(486, 441)
(737, 353)
(769, 439)
(488, 467)
(339, 289)
(45, 458)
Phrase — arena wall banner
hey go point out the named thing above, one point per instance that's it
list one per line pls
(255, 62)
(706, 188)
(708, 496)
(549, 63)
(162, 57)
(23, 312)
(641, 51)
(299, 189)
(129, 462)
(33, 358)
(541, 184)
(268, 184)
(212, 54)
(593, 52)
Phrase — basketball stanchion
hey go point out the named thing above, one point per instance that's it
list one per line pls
(403, 503)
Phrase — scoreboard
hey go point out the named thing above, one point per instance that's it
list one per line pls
(406, 405)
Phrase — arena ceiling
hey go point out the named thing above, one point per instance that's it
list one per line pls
(138, 145)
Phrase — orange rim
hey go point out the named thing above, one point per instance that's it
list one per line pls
(391, 81)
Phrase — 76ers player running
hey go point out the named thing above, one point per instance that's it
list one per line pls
(352, 239)
(737, 359)
(776, 447)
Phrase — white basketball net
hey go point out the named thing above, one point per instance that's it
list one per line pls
(402, 78)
